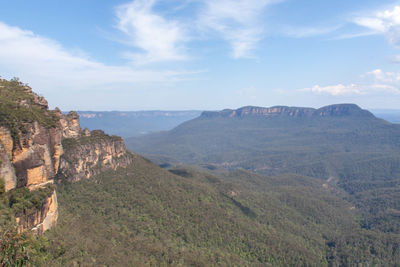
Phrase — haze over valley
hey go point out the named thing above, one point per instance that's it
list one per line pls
(199, 133)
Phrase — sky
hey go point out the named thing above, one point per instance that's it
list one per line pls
(203, 54)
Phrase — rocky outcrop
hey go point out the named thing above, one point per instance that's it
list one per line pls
(7, 141)
(7, 170)
(70, 125)
(36, 154)
(338, 110)
(41, 219)
(91, 154)
(31, 152)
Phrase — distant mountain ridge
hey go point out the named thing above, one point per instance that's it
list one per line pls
(275, 111)
(342, 144)
(134, 123)
(224, 137)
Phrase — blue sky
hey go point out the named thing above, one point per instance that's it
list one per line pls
(203, 54)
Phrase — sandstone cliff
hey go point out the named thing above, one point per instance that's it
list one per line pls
(91, 154)
(31, 153)
(40, 219)
(338, 110)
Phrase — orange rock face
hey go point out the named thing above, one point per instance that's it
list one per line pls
(40, 220)
(7, 141)
(7, 170)
(36, 176)
(86, 159)
(31, 155)
(70, 125)
(36, 154)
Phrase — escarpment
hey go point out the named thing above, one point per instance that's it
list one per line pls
(32, 153)
(91, 154)
(338, 110)
(30, 150)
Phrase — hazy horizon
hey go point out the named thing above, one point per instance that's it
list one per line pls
(383, 110)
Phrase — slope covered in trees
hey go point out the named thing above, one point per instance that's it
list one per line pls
(147, 215)
(326, 193)
(343, 145)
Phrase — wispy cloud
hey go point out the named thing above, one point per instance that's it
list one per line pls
(353, 35)
(386, 22)
(302, 32)
(157, 38)
(373, 82)
(383, 22)
(46, 64)
(237, 21)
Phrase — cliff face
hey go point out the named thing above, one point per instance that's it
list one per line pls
(7, 171)
(41, 219)
(91, 154)
(70, 125)
(338, 110)
(31, 152)
(36, 155)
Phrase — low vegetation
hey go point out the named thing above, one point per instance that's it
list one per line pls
(15, 249)
(23, 201)
(18, 107)
(96, 136)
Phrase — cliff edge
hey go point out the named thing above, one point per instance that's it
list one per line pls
(337, 110)
(32, 154)
(91, 154)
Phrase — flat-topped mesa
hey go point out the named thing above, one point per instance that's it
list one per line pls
(342, 110)
(249, 111)
(274, 111)
(338, 110)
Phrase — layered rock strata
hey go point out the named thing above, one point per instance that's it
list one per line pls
(92, 154)
(32, 152)
(279, 111)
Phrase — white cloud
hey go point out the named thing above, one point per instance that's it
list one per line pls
(158, 38)
(386, 22)
(47, 65)
(372, 23)
(237, 21)
(381, 76)
(373, 82)
(335, 90)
